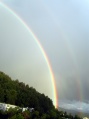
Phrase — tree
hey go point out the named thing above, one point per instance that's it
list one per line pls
(11, 96)
(26, 114)
(35, 114)
(43, 116)
(2, 94)
(17, 116)
(53, 114)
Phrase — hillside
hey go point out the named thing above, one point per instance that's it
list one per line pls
(17, 93)
(20, 94)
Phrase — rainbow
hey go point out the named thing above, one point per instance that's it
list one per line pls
(55, 101)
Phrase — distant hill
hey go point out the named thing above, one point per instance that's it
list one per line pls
(74, 112)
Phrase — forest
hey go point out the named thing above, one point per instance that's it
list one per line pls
(20, 94)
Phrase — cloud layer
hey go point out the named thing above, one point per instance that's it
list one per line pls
(75, 105)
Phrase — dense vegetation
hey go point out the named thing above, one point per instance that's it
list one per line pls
(17, 93)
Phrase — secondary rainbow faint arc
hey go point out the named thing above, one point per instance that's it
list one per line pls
(42, 50)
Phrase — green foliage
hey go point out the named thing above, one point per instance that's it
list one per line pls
(35, 115)
(26, 115)
(17, 93)
(18, 116)
(44, 116)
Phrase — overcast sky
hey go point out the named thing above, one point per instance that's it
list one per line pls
(62, 27)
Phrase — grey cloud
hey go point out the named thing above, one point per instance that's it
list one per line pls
(75, 105)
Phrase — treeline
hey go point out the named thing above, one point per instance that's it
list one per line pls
(19, 94)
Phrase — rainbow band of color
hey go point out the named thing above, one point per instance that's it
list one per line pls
(42, 50)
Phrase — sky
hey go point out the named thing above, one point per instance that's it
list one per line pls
(62, 27)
